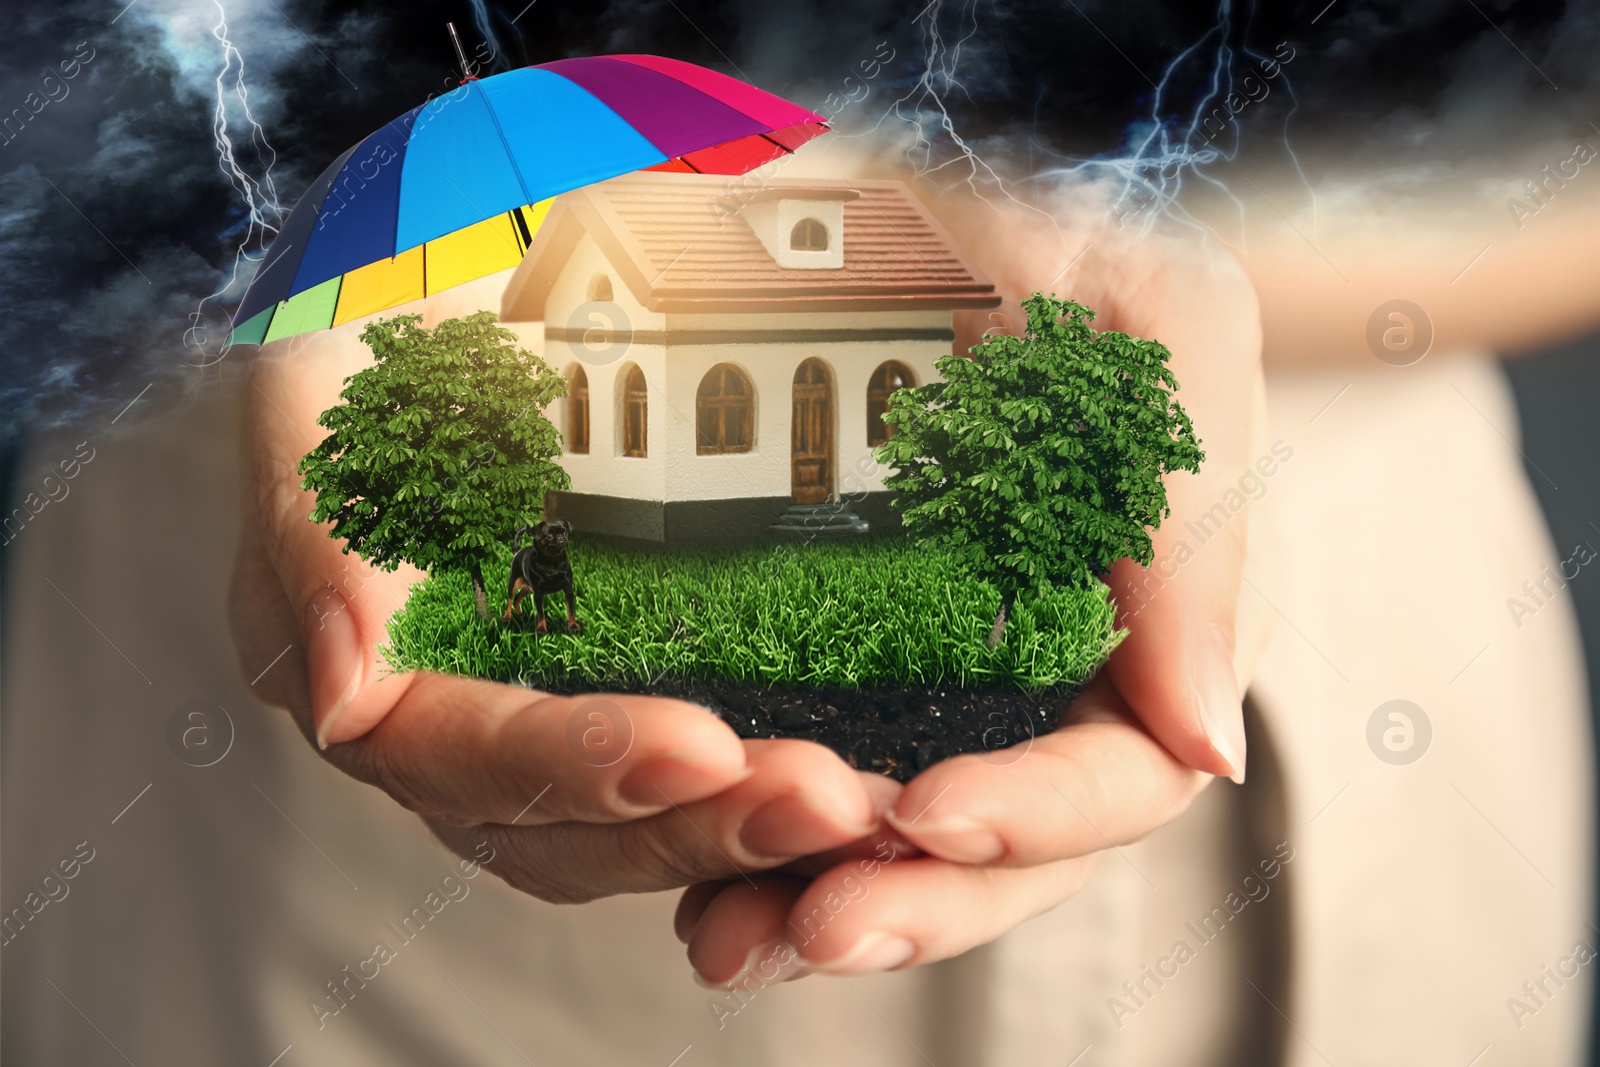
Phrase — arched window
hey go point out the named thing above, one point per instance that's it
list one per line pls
(885, 380)
(809, 235)
(635, 413)
(724, 412)
(577, 411)
(600, 288)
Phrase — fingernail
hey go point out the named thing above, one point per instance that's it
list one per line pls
(797, 825)
(671, 778)
(335, 664)
(958, 840)
(705, 983)
(776, 961)
(1217, 692)
(874, 952)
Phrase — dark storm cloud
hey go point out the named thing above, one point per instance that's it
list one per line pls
(1378, 83)
(100, 272)
(115, 216)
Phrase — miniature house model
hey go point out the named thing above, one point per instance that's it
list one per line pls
(729, 347)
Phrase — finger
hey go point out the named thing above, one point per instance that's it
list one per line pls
(1178, 666)
(920, 910)
(1099, 781)
(692, 905)
(882, 793)
(861, 919)
(882, 790)
(266, 638)
(745, 931)
(798, 798)
(468, 752)
(340, 604)
(883, 840)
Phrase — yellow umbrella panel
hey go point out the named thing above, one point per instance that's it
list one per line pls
(469, 253)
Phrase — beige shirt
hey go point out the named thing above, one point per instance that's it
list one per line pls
(1416, 900)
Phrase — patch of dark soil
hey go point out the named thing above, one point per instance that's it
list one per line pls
(899, 731)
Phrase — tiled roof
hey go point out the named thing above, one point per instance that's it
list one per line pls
(680, 244)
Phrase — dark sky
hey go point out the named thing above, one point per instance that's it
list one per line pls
(117, 217)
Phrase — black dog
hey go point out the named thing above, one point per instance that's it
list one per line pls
(542, 568)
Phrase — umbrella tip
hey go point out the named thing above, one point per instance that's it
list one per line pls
(461, 56)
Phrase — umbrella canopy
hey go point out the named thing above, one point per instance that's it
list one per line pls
(456, 189)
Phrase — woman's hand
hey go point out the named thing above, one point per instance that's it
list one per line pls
(992, 845)
(580, 797)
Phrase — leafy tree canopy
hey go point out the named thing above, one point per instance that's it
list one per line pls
(441, 448)
(1039, 460)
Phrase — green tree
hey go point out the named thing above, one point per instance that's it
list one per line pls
(440, 449)
(1039, 460)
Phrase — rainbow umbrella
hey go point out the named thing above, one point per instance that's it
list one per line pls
(457, 188)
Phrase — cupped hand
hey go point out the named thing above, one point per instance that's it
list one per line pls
(579, 797)
(981, 844)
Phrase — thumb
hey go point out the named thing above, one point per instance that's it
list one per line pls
(1176, 667)
(341, 604)
(1194, 636)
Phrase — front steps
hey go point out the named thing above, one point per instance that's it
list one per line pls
(807, 521)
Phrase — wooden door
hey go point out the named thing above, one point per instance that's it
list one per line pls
(811, 435)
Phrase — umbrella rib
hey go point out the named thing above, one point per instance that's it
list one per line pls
(399, 187)
(271, 258)
(785, 149)
(522, 228)
(510, 158)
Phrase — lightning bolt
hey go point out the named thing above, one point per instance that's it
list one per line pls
(1162, 151)
(263, 214)
(922, 108)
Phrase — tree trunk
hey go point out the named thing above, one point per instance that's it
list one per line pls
(479, 594)
(997, 633)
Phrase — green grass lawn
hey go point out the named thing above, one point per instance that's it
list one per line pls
(851, 614)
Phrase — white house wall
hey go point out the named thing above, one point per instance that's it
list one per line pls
(764, 470)
(672, 470)
(605, 470)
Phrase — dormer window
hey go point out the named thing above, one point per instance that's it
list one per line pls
(801, 226)
(809, 235)
(600, 289)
